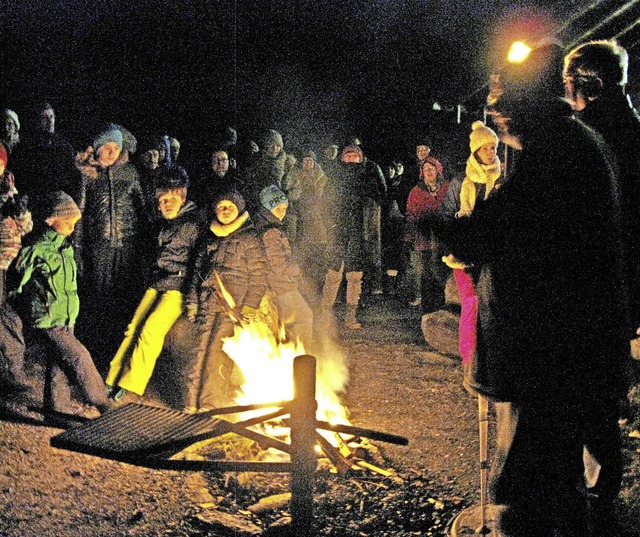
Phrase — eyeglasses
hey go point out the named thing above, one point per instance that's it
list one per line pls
(220, 160)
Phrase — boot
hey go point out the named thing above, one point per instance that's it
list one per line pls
(330, 289)
(391, 283)
(350, 320)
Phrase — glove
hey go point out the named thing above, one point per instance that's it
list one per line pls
(248, 313)
(192, 311)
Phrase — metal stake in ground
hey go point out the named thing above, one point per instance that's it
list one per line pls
(478, 519)
(303, 440)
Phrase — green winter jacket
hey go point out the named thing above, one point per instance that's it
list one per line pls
(45, 288)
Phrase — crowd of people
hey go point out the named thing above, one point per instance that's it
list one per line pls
(106, 248)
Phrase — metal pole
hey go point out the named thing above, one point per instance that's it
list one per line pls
(303, 439)
(483, 419)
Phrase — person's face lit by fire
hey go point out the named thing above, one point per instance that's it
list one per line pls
(576, 98)
(162, 151)
(280, 211)
(170, 203)
(47, 121)
(220, 163)
(422, 152)
(108, 154)
(487, 154)
(226, 211)
(352, 156)
(63, 224)
(308, 164)
(151, 159)
(272, 150)
(429, 174)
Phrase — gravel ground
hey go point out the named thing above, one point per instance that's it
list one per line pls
(398, 384)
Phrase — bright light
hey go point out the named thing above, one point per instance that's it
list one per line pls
(518, 52)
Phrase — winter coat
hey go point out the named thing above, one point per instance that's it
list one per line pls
(312, 210)
(422, 213)
(263, 172)
(283, 274)
(352, 197)
(238, 261)
(209, 186)
(112, 206)
(478, 184)
(176, 242)
(619, 125)
(551, 303)
(43, 282)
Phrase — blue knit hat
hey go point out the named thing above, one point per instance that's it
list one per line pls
(271, 196)
(111, 134)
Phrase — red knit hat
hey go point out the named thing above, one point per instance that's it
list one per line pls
(3, 155)
(434, 162)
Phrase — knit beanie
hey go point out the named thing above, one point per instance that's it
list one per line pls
(14, 117)
(129, 141)
(3, 155)
(481, 135)
(271, 196)
(233, 196)
(110, 134)
(60, 204)
(434, 162)
(309, 154)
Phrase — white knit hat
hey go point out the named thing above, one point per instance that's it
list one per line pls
(481, 135)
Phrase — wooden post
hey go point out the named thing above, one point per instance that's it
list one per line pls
(303, 439)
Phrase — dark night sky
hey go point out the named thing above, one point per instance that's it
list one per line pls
(312, 69)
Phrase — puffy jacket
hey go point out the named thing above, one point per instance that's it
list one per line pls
(239, 262)
(113, 208)
(283, 274)
(176, 242)
(43, 283)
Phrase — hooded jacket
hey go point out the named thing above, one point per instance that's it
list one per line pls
(44, 281)
(283, 274)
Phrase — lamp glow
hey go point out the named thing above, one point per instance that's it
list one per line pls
(518, 52)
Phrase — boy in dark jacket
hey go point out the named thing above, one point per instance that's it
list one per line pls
(161, 305)
(283, 274)
(228, 284)
(44, 288)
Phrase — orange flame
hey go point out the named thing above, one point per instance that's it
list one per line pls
(265, 360)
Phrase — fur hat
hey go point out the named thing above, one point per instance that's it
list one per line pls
(233, 196)
(271, 196)
(3, 155)
(13, 116)
(481, 135)
(110, 134)
(60, 204)
(434, 162)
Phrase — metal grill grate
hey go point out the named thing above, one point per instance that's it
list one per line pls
(137, 429)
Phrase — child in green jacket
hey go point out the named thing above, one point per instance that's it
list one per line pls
(43, 287)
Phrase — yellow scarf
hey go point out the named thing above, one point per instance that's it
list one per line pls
(224, 230)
